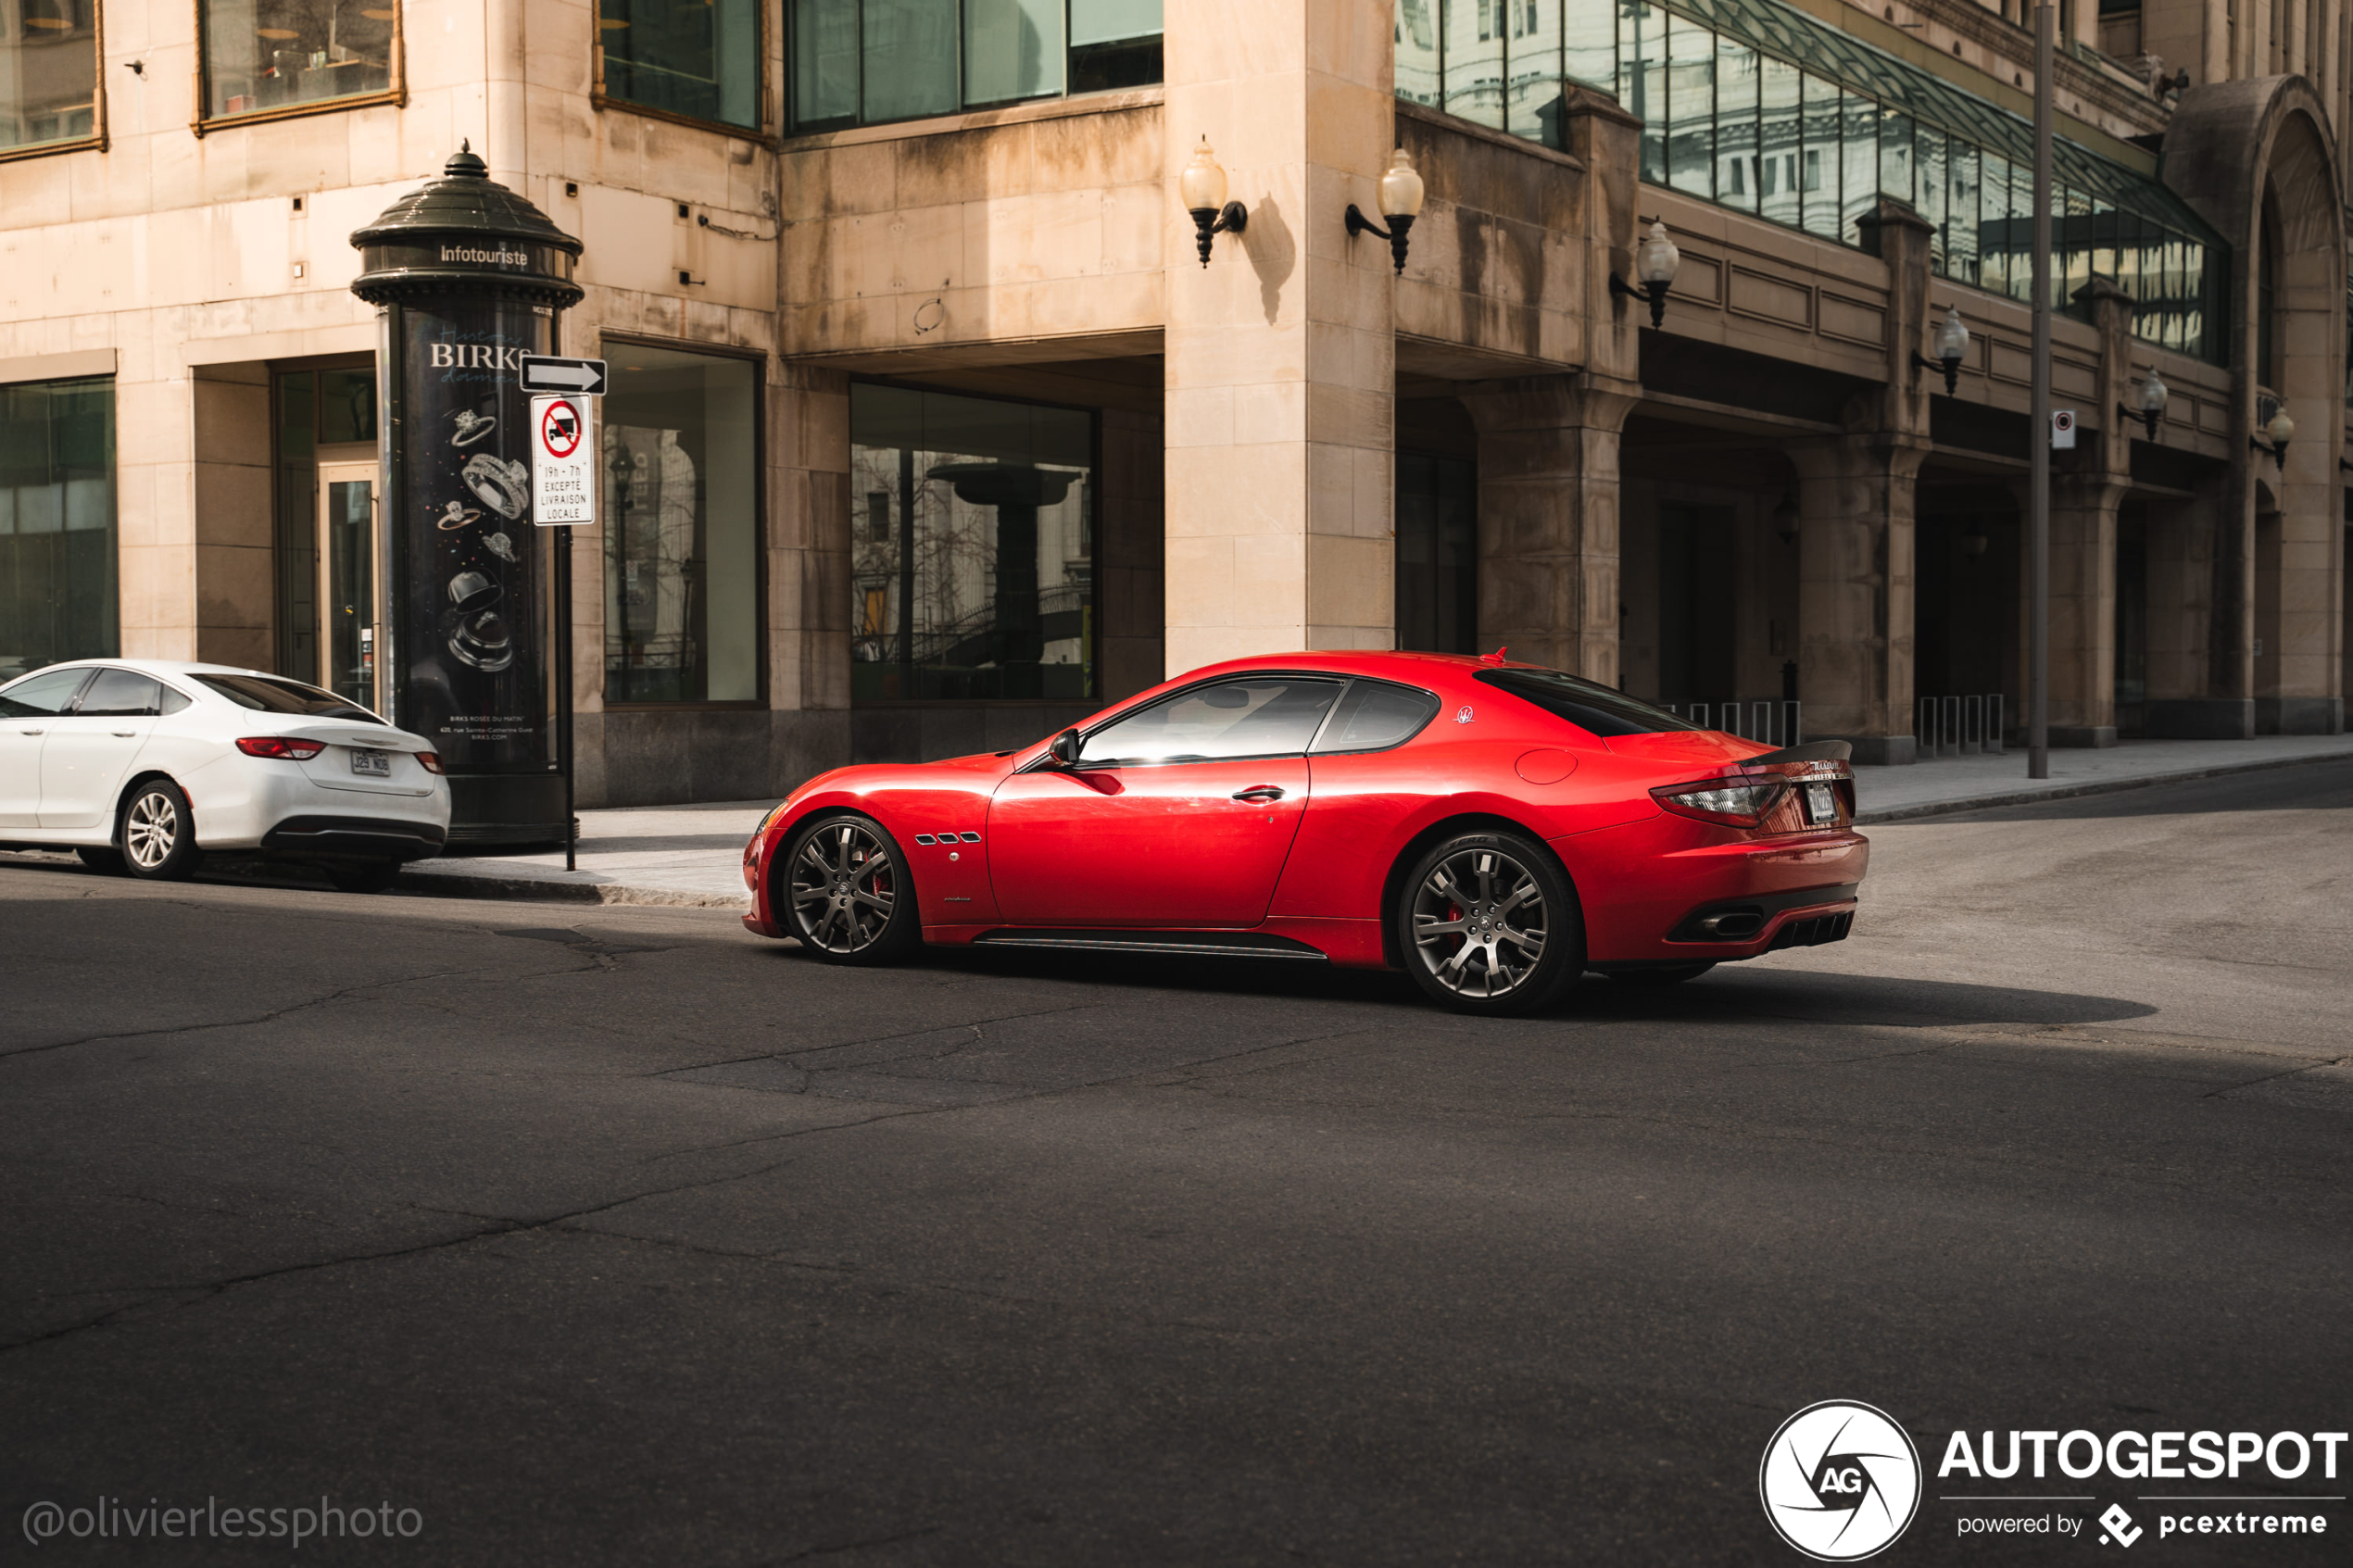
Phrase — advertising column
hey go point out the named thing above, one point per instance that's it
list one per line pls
(469, 278)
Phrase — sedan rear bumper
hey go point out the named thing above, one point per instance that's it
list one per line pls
(1650, 889)
(377, 838)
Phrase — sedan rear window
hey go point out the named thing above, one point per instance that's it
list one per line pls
(269, 694)
(1586, 704)
(1375, 715)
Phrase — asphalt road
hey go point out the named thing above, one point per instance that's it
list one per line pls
(622, 1236)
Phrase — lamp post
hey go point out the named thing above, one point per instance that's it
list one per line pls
(1401, 203)
(1656, 260)
(2153, 394)
(1202, 187)
(1952, 345)
(2038, 542)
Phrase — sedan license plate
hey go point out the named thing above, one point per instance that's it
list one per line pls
(1821, 804)
(371, 764)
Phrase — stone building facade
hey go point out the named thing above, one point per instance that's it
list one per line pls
(931, 427)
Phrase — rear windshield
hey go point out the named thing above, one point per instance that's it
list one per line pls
(268, 694)
(1586, 705)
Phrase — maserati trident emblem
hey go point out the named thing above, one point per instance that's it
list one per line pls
(1463, 714)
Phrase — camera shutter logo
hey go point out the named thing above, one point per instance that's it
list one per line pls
(1841, 1481)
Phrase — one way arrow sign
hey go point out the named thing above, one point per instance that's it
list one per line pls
(544, 372)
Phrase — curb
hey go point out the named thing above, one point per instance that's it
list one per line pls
(462, 885)
(2077, 792)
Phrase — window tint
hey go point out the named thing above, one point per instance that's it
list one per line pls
(1375, 715)
(121, 694)
(173, 701)
(269, 695)
(1270, 716)
(1586, 705)
(45, 693)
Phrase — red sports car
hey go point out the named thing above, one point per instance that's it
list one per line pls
(1491, 828)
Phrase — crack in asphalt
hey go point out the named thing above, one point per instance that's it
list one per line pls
(816, 1552)
(2274, 1077)
(269, 1017)
(788, 1057)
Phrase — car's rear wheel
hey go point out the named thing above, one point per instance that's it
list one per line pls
(105, 863)
(847, 893)
(158, 833)
(1674, 977)
(1489, 924)
(363, 876)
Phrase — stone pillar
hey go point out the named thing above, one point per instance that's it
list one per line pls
(1548, 518)
(1856, 503)
(1280, 354)
(1854, 499)
(809, 542)
(2084, 498)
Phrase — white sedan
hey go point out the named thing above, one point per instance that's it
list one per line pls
(145, 765)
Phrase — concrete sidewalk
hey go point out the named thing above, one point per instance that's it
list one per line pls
(692, 855)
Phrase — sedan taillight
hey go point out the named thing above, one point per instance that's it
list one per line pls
(1740, 803)
(281, 747)
(431, 761)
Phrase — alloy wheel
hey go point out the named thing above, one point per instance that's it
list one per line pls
(1479, 923)
(844, 888)
(150, 829)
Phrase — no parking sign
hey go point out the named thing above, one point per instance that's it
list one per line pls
(564, 485)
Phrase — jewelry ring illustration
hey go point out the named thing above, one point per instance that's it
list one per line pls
(500, 545)
(472, 427)
(456, 515)
(502, 486)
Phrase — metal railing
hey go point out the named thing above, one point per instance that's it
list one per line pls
(1774, 721)
(1960, 726)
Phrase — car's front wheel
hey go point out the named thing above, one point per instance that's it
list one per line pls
(847, 893)
(1487, 923)
(158, 833)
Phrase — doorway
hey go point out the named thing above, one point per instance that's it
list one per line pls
(348, 613)
(1437, 554)
(1698, 603)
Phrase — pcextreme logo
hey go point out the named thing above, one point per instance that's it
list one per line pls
(1840, 1481)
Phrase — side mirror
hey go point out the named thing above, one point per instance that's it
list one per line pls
(1064, 750)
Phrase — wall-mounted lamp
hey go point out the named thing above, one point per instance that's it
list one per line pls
(1654, 262)
(1401, 203)
(1952, 344)
(1785, 520)
(1202, 185)
(2281, 428)
(2153, 394)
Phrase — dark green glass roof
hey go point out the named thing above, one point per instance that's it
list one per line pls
(1779, 29)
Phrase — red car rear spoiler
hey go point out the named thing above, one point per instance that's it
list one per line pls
(1811, 751)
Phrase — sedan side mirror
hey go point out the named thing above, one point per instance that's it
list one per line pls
(1064, 750)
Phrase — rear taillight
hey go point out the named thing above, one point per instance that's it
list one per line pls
(431, 761)
(281, 747)
(1740, 803)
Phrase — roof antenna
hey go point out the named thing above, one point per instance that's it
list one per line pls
(1495, 658)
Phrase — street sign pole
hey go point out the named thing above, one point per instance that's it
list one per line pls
(2038, 533)
(563, 493)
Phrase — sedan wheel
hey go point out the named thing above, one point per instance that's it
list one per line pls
(1489, 925)
(158, 833)
(852, 902)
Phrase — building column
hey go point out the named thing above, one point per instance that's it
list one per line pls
(1854, 584)
(809, 551)
(1548, 518)
(1856, 497)
(2084, 506)
(1280, 354)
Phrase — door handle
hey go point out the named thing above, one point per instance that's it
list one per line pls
(122, 735)
(1259, 793)
(28, 732)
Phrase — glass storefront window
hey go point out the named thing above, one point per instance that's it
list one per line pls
(1736, 86)
(1532, 71)
(57, 595)
(1690, 97)
(681, 521)
(973, 576)
(263, 55)
(700, 62)
(48, 73)
(1778, 185)
(1858, 163)
(1475, 59)
(867, 62)
(1820, 168)
(1417, 51)
(315, 408)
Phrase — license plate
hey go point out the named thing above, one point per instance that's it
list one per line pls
(1821, 803)
(371, 764)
